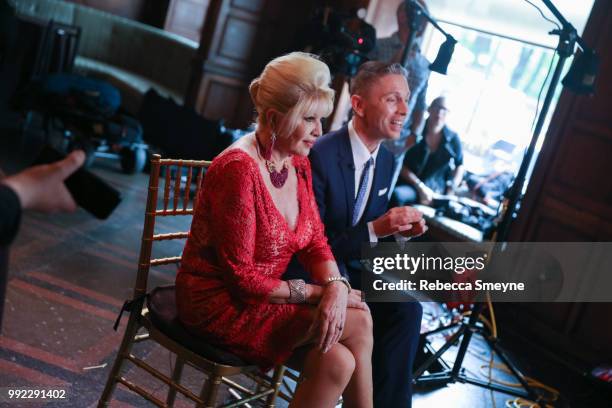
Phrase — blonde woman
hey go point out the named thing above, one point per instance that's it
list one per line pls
(256, 211)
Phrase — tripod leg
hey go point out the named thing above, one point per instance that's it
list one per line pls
(433, 358)
(467, 336)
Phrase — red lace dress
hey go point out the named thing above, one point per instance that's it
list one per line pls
(238, 248)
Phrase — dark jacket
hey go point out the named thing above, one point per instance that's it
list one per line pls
(10, 215)
(333, 179)
(435, 168)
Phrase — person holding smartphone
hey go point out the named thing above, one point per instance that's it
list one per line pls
(39, 188)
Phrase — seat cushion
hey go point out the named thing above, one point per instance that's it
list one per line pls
(163, 313)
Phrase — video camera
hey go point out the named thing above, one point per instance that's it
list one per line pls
(342, 40)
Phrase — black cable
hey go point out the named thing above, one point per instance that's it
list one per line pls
(543, 15)
(541, 90)
(549, 67)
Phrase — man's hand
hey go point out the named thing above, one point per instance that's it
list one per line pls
(418, 228)
(397, 219)
(42, 187)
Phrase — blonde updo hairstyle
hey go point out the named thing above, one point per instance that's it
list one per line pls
(295, 85)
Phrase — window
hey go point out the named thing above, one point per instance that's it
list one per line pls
(496, 74)
(493, 85)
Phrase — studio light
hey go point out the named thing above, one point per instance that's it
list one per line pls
(416, 13)
(445, 53)
(581, 75)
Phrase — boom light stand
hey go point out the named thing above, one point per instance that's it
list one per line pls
(580, 79)
(415, 13)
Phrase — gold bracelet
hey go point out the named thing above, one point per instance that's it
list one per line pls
(342, 279)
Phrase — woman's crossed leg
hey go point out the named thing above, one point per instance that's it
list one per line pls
(345, 369)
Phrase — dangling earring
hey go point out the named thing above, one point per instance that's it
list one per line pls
(272, 141)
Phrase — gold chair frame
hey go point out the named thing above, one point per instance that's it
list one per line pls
(266, 386)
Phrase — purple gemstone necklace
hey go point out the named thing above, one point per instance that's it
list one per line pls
(278, 178)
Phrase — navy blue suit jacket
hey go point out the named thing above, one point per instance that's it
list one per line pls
(396, 325)
(333, 179)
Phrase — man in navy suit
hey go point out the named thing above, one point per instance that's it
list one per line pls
(352, 175)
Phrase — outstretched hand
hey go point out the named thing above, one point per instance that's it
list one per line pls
(42, 188)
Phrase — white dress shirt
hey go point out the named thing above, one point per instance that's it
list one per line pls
(361, 155)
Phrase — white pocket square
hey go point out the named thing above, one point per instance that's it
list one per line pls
(383, 191)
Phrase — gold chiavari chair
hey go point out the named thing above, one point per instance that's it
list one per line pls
(155, 311)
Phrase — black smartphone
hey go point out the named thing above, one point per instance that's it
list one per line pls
(88, 190)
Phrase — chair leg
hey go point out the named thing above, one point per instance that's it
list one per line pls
(176, 377)
(124, 350)
(277, 379)
(210, 390)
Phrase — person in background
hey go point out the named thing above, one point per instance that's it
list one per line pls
(39, 188)
(434, 166)
(390, 49)
(255, 211)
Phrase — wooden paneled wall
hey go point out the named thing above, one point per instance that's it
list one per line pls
(186, 17)
(570, 199)
(238, 38)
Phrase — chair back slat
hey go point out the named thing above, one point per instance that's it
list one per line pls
(198, 186)
(172, 235)
(167, 188)
(187, 187)
(165, 261)
(165, 213)
(165, 210)
(177, 185)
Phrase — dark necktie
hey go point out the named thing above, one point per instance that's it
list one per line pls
(361, 198)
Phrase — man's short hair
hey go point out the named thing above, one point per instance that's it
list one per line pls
(372, 70)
